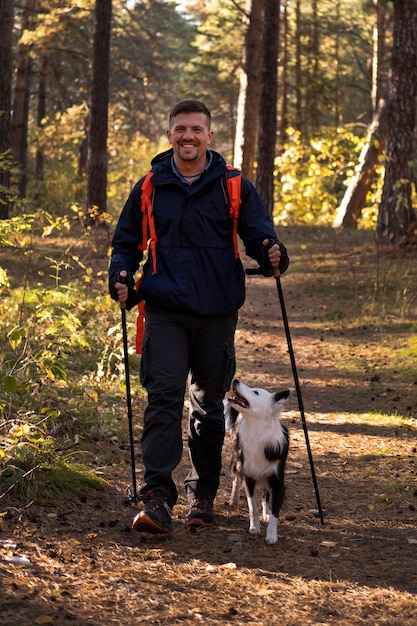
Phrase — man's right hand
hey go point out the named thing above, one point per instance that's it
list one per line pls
(122, 290)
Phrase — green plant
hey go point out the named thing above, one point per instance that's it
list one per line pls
(311, 178)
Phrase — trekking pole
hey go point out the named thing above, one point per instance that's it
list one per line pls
(320, 512)
(134, 497)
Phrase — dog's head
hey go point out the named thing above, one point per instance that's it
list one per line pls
(256, 403)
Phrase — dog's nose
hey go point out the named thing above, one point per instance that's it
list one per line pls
(236, 381)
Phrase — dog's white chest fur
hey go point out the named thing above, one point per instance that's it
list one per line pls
(255, 436)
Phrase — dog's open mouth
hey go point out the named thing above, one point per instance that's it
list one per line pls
(237, 398)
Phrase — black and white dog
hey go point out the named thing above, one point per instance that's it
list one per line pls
(260, 452)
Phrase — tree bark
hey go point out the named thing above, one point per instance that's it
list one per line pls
(20, 119)
(299, 125)
(97, 171)
(6, 65)
(396, 221)
(248, 105)
(378, 52)
(268, 105)
(284, 80)
(41, 113)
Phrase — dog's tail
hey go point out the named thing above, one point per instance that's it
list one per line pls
(230, 415)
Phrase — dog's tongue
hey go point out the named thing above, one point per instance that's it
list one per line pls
(238, 399)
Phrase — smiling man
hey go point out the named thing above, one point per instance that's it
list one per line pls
(191, 308)
(190, 136)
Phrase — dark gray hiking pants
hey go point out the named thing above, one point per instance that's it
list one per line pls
(176, 346)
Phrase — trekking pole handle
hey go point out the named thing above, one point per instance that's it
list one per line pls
(123, 280)
(252, 271)
(275, 270)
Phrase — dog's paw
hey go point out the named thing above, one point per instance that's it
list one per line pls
(272, 531)
(271, 540)
(255, 529)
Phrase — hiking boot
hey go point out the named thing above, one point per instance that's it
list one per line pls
(201, 512)
(155, 517)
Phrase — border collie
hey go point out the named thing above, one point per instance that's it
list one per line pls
(260, 452)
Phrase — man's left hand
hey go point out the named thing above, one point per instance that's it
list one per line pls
(274, 253)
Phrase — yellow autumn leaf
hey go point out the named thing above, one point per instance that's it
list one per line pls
(44, 619)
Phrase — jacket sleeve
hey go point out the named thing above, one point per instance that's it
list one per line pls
(127, 237)
(254, 226)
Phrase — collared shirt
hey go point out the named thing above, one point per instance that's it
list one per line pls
(184, 180)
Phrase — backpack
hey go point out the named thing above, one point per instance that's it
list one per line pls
(234, 184)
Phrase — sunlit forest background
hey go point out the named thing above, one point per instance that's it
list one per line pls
(334, 61)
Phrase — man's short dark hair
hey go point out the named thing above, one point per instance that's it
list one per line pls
(190, 106)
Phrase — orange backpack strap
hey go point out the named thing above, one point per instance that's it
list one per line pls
(140, 321)
(234, 186)
(147, 197)
(140, 326)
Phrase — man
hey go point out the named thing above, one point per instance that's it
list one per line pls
(192, 286)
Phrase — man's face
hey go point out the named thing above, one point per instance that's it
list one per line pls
(190, 136)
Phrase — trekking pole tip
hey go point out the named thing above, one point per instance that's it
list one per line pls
(321, 514)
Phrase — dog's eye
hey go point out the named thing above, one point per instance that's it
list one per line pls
(256, 392)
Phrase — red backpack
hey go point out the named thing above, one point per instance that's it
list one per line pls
(234, 184)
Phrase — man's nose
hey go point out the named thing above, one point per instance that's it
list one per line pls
(188, 132)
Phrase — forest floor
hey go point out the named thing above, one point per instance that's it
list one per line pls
(352, 315)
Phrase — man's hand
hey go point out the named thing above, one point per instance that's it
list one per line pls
(274, 253)
(122, 290)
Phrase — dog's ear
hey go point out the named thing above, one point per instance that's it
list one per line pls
(281, 395)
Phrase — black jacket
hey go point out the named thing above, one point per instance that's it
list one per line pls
(197, 271)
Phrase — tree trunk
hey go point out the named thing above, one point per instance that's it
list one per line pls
(6, 65)
(337, 112)
(396, 218)
(41, 113)
(313, 88)
(298, 82)
(353, 202)
(284, 79)
(268, 108)
(97, 171)
(19, 131)
(248, 105)
(378, 52)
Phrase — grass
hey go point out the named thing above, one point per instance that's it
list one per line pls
(49, 482)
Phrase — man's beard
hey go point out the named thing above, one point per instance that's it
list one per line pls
(185, 155)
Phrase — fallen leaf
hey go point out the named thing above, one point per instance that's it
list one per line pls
(44, 619)
(91, 535)
(264, 592)
(328, 544)
(228, 566)
(17, 560)
(411, 540)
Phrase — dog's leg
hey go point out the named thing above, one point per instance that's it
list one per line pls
(266, 511)
(254, 525)
(234, 496)
(277, 491)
